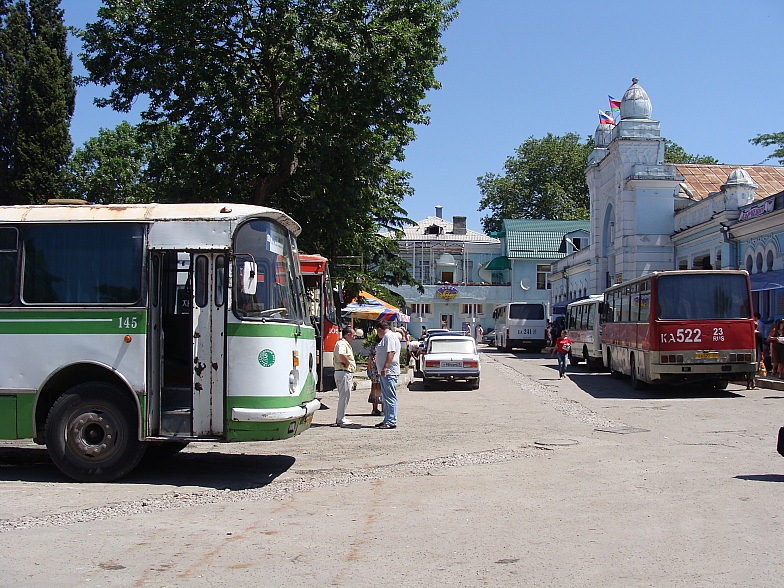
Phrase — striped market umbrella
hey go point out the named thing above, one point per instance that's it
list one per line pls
(374, 309)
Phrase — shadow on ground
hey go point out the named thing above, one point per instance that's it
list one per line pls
(223, 471)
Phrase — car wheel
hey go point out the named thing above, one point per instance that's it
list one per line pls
(427, 383)
(475, 384)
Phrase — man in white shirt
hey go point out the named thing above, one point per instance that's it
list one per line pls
(388, 364)
(345, 366)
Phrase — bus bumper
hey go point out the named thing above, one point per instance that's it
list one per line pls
(274, 415)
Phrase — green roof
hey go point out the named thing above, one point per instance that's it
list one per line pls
(539, 239)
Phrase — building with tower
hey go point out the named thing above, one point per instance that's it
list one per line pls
(647, 215)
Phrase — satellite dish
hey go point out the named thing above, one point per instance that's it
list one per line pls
(525, 283)
(485, 274)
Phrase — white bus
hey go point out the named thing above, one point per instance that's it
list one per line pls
(522, 325)
(585, 330)
(127, 329)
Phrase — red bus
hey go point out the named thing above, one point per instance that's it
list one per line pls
(680, 327)
(321, 296)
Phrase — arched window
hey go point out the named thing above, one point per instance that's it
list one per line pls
(759, 262)
(769, 261)
(749, 264)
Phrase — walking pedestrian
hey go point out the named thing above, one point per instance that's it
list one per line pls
(388, 364)
(562, 347)
(345, 366)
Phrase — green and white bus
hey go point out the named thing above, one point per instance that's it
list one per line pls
(127, 329)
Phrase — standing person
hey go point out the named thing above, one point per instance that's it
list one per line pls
(776, 348)
(562, 346)
(374, 397)
(345, 366)
(479, 332)
(388, 364)
(759, 335)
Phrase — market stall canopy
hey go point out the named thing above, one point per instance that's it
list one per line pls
(374, 309)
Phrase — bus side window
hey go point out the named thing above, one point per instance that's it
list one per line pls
(590, 319)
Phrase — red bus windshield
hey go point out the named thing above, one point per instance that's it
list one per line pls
(703, 297)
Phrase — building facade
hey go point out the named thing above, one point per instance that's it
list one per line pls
(647, 215)
(466, 274)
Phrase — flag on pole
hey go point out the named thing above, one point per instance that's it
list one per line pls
(615, 107)
(605, 119)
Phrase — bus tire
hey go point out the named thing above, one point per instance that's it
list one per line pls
(587, 358)
(91, 433)
(720, 384)
(615, 373)
(637, 383)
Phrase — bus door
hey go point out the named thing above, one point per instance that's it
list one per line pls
(188, 319)
(209, 328)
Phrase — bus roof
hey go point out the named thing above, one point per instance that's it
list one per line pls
(201, 211)
(312, 263)
(659, 274)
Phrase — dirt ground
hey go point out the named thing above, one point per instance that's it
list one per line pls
(528, 481)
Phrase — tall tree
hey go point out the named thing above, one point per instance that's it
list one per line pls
(674, 153)
(545, 179)
(298, 104)
(770, 139)
(38, 97)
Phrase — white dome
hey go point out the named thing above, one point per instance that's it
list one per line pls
(635, 102)
(739, 177)
(603, 135)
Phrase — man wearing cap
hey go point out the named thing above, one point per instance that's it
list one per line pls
(388, 364)
(345, 366)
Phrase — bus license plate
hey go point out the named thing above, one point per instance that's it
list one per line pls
(451, 364)
(709, 355)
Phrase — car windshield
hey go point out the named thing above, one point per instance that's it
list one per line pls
(441, 345)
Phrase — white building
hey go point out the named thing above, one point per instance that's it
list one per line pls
(647, 215)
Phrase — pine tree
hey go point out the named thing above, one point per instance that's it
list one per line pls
(37, 97)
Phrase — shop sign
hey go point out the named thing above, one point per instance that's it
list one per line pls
(757, 210)
(446, 292)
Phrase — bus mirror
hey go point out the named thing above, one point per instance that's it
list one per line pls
(249, 277)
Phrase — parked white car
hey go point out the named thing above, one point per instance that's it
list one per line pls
(449, 358)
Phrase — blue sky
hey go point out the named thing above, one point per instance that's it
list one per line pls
(522, 68)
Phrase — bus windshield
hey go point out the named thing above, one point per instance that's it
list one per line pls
(267, 243)
(531, 312)
(703, 296)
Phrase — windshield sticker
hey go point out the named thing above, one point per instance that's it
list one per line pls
(274, 246)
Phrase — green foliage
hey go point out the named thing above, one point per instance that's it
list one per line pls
(37, 97)
(769, 139)
(302, 105)
(674, 153)
(545, 179)
(128, 164)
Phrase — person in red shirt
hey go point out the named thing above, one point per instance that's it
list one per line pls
(562, 347)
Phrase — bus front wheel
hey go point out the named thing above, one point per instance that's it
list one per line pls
(91, 433)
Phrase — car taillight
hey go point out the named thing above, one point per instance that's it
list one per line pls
(432, 363)
(470, 363)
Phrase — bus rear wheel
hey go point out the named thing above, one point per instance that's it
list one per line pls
(637, 383)
(91, 433)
